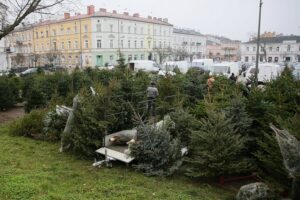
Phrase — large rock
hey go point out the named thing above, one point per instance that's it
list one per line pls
(255, 191)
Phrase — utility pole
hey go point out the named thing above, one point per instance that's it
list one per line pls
(258, 43)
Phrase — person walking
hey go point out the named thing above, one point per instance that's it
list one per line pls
(232, 77)
(152, 94)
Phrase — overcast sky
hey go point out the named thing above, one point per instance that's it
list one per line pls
(235, 19)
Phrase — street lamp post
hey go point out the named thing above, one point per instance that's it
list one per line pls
(258, 43)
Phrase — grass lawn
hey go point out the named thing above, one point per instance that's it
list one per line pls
(32, 169)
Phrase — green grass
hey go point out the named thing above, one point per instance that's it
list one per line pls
(32, 169)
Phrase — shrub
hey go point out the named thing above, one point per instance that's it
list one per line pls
(185, 123)
(9, 92)
(54, 125)
(31, 125)
(156, 152)
(35, 99)
(216, 149)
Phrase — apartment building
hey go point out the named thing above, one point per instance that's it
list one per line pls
(3, 54)
(220, 49)
(93, 39)
(189, 43)
(273, 49)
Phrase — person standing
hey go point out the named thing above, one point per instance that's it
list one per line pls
(152, 94)
(232, 77)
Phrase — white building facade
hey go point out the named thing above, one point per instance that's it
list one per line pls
(273, 49)
(134, 36)
(190, 42)
(3, 55)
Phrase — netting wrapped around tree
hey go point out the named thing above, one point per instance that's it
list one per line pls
(290, 150)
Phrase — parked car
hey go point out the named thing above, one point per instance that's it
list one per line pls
(296, 72)
(143, 65)
(182, 66)
(266, 72)
(225, 69)
(29, 72)
(203, 64)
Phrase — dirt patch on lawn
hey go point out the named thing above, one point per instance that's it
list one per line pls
(11, 114)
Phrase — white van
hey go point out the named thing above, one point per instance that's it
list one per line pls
(204, 64)
(143, 65)
(266, 72)
(225, 69)
(182, 66)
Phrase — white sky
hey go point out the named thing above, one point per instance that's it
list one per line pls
(236, 19)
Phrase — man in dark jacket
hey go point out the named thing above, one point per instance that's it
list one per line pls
(152, 93)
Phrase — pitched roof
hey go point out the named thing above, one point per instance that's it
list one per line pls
(128, 17)
(278, 39)
(186, 31)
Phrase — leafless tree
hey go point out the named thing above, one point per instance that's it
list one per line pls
(163, 53)
(19, 10)
(52, 56)
(181, 54)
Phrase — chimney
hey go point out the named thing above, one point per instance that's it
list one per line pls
(102, 10)
(149, 17)
(66, 15)
(114, 12)
(91, 10)
(126, 13)
(165, 20)
(159, 19)
(136, 15)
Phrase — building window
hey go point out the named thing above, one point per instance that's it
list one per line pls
(165, 45)
(76, 44)
(99, 44)
(247, 49)
(62, 45)
(135, 44)
(129, 58)
(160, 44)
(111, 28)
(129, 29)
(69, 31)
(142, 44)
(277, 49)
(154, 31)
(270, 49)
(75, 29)
(86, 28)
(111, 58)
(86, 44)
(42, 34)
(135, 57)
(269, 59)
(122, 29)
(47, 33)
(246, 59)
(142, 57)
(54, 32)
(98, 27)
(122, 44)
(135, 30)
(111, 44)
(276, 59)
(149, 31)
(254, 49)
(142, 30)
(128, 44)
(36, 35)
(69, 44)
(54, 46)
(288, 48)
(62, 31)
(149, 44)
